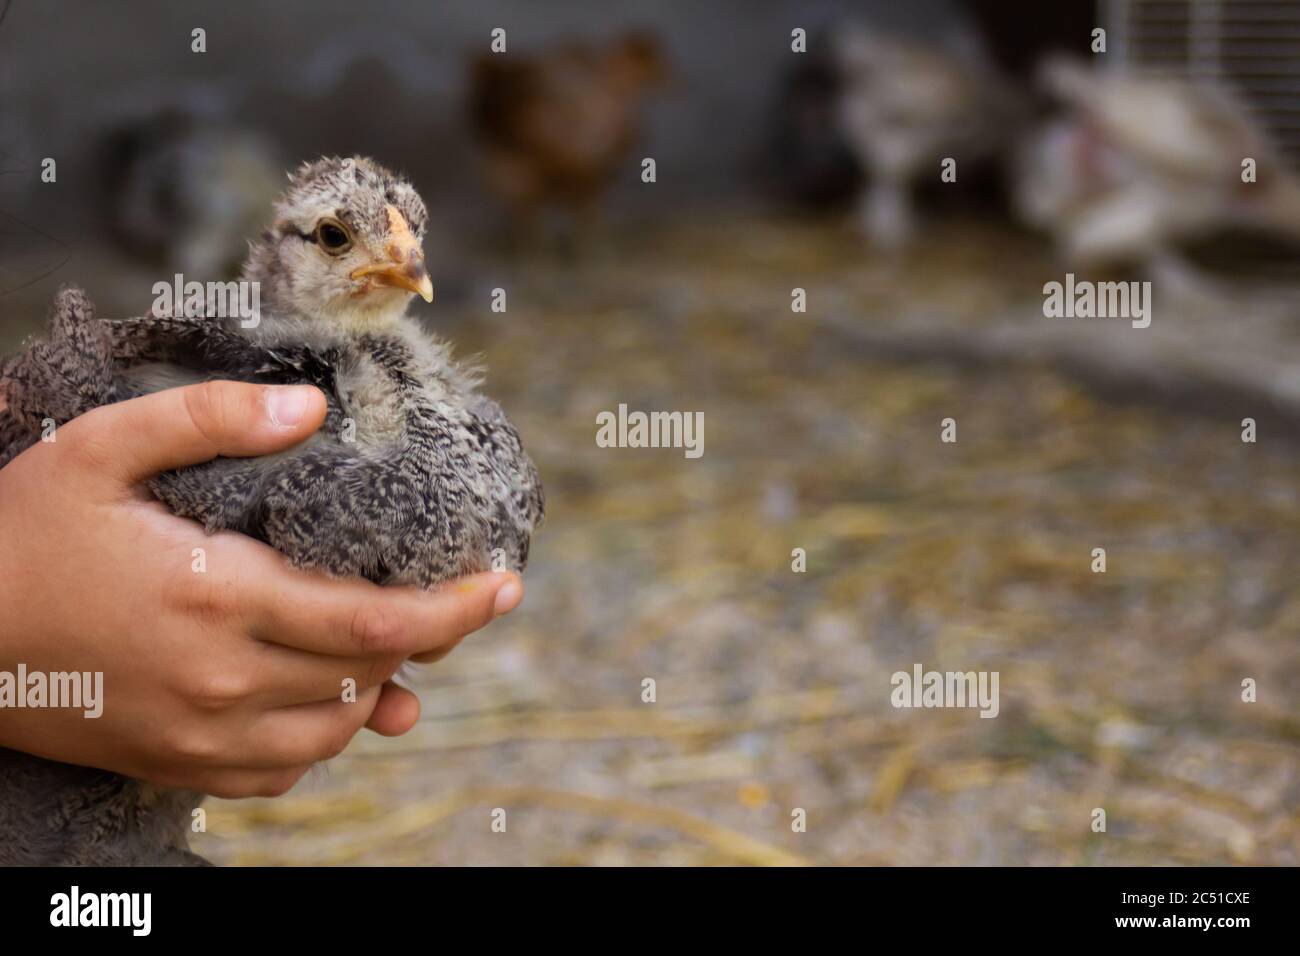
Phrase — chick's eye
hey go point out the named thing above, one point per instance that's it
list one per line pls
(333, 237)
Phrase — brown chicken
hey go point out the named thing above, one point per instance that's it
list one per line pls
(556, 125)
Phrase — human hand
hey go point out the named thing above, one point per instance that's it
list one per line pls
(228, 680)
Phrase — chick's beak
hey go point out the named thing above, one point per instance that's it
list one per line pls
(403, 266)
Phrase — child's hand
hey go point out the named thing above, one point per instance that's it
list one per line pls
(227, 680)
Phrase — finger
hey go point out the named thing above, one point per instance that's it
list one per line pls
(228, 783)
(288, 676)
(133, 440)
(432, 657)
(306, 733)
(396, 713)
(358, 619)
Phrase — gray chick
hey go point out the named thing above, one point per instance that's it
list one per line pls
(415, 478)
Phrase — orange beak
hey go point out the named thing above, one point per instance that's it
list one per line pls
(404, 267)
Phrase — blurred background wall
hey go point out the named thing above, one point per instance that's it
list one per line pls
(388, 78)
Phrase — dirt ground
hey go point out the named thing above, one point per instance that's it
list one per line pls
(1119, 691)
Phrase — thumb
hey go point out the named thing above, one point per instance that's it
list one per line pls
(137, 439)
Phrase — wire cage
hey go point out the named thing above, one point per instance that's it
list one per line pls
(1250, 46)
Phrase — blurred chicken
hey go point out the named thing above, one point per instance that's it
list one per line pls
(556, 125)
(904, 107)
(808, 159)
(1138, 165)
(185, 192)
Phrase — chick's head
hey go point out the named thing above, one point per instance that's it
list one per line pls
(346, 245)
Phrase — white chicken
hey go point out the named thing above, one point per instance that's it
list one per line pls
(1139, 164)
(904, 107)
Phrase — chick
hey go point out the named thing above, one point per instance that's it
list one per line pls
(56, 814)
(1137, 166)
(415, 477)
(554, 126)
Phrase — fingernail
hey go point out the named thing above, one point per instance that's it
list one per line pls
(287, 405)
(508, 598)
